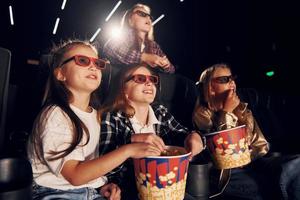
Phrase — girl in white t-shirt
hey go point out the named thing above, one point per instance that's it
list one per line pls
(63, 147)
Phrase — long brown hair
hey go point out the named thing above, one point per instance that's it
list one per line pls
(57, 95)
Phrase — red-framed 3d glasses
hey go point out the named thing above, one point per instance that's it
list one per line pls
(85, 61)
(141, 78)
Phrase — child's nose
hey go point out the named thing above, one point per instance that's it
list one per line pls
(93, 66)
(148, 82)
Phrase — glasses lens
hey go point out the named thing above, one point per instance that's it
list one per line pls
(82, 60)
(224, 79)
(100, 64)
(143, 14)
(153, 79)
(139, 78)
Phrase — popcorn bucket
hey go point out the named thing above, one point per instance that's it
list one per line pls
(229, 148)
(162, 177)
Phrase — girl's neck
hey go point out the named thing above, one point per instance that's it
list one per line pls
(141, 113)
(141, 35)
(81, 101)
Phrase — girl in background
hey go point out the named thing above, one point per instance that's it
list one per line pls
(136, 44)
(219, 108)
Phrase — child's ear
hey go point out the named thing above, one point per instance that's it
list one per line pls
(59, 74)
(212, 91)
(126, 95)
(130, 22)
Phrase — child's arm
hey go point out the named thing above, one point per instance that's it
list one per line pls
(81, 172)
(193, 141)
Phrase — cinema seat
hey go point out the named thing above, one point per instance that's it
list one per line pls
(15, 179)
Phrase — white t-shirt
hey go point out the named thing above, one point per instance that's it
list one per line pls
(57, 135)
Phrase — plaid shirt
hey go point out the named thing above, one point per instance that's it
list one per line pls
(124, 52)
(116, 130)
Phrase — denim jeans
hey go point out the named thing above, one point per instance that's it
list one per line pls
(45, 193)
(278, 177)
(290, 178)
(244, 184)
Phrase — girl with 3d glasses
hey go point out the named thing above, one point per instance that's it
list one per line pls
(219, 108)
(63, 147)
(136, 44)
(130, 118)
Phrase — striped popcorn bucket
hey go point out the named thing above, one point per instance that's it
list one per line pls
(229, 148)
(162, 177)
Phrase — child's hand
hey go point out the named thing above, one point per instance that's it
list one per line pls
(231, 101)
(154, 60)
(111, 191)
(149, 138)
(165, 63)
(194, 144)
(141, 150)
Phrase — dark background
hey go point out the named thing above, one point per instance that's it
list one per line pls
(253, 36)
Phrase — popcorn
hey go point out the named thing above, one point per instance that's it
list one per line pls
(163, 177)
(174, 191)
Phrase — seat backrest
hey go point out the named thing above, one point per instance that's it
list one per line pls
(15, 179)
(5, 56)
(109, 82)
(179, 95)
(268, 119)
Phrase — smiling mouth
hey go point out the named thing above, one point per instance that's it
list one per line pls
(92, 77)
(148, 92)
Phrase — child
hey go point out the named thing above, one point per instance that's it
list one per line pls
(219, 108)
(63, 147)
(131, 119)
(136, 44)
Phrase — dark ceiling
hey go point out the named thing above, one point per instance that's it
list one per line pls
(252, 36)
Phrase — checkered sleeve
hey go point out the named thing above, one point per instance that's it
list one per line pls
(113, 134)
(168, 119)
(108, 134)
(155, 48)
(121, 51)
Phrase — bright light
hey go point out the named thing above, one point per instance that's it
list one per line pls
(11, 15)
(181, 0)
(116, 32)
(158, 19)
(113, 10)
(56, 25)
(95, 34)
(63, 4)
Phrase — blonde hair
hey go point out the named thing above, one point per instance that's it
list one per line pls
(128, 14)
(205, 86)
